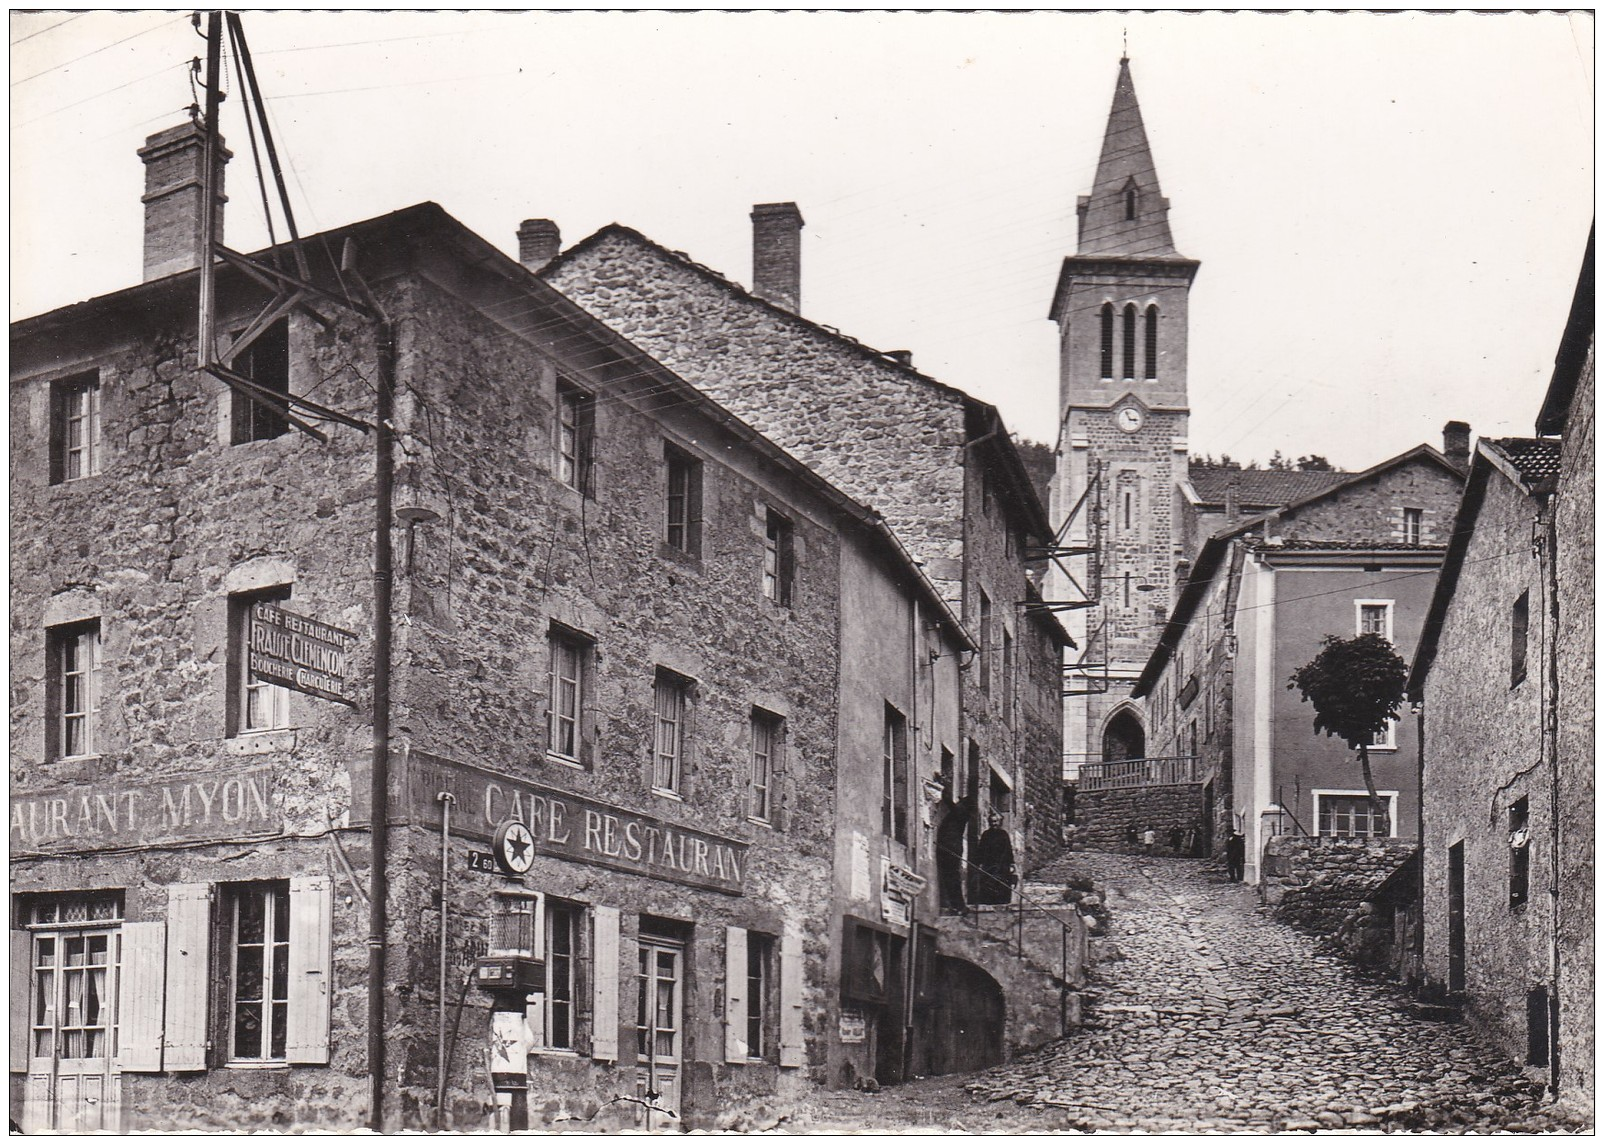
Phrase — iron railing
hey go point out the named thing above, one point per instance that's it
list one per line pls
(1140, 773)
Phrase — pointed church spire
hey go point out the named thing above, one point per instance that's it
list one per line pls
(1125, 214)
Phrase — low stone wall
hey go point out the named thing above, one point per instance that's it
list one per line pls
(1320, 882)
(1105, 818)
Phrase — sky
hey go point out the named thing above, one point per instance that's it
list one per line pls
(1390, 209)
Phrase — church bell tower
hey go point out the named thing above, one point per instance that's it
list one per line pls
(1121, 310)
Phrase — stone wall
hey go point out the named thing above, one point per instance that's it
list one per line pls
(1574, 529)
(1104, 818)
(1484, 753)
(1319, 882)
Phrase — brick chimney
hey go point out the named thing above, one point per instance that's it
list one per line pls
(1456, 443)
(539, 242)
(172, 198)
(777, 254)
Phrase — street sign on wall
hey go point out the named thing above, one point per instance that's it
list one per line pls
(302, 654)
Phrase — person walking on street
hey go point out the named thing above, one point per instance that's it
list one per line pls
(1235, 856)
(1148, 836)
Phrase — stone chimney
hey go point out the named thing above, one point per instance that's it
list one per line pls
(777, 254)
(539, 242)
(1456, 443)
(173, 162)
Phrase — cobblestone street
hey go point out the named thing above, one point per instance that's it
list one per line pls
(1210, 1016)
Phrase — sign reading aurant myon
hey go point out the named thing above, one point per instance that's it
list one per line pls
(120, 813)
(291, 650)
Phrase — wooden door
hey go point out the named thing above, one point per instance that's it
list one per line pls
(659, 1031)
(1456, 917)
(72, 1080)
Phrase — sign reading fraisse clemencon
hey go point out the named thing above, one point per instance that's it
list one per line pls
(303, 654)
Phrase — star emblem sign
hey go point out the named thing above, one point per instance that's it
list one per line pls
(515, 847)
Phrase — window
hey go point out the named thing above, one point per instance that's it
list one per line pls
(1001, 796)
(668, 748)
(682, 527)
(254, 704)
(1517, 641)
(72, 679)
(894, 784)
(74, 428)
(1107, 353)
(576, 436)
(266, 362)
(259, 949)
(1374, 617)
(564, 924)
(1520, 851)
(985, 643)
(566, 684)
(1151, 363)
(1350, 814)
(1129, 369)
(1130, 205)
(766, 733)
(759, 966)
(779, 561)
(1191, 731)
(1007, 671)
(1411, 525)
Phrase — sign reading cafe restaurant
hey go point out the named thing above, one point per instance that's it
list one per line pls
(291, 650)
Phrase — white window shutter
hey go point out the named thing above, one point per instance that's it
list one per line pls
(140, 990)
(189, 941)
(21, 999)
(793, 1047)
(735, 994)
(604, 984)
(306, 1040)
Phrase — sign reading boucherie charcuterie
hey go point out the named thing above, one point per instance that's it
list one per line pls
(291, 650)
(564, 825)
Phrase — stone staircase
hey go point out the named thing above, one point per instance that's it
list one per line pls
(1037, 953)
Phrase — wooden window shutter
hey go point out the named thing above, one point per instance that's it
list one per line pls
(604, 984)
(735, 995)
(793, 1048)
(21, 999)
(189, 941)
(140, 993)
(311, 917)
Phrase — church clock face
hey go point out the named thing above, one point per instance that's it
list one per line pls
(1129, 418)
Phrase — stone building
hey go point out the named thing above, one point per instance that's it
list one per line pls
(937, 463)
(669, 711)
(1359, 555)
(1503, 683)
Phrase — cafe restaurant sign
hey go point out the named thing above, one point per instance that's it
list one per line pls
(567, 826)
(151, 811)
(291, 650)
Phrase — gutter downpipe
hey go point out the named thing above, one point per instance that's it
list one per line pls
(1551, 729)
(379, 777)
(446, 801)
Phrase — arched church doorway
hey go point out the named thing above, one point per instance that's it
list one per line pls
(1123, 738)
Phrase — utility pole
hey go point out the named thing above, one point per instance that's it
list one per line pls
(296, 291)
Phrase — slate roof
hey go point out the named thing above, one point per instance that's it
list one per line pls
(1292, 545)
(1261, 487)
(1536, 459)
